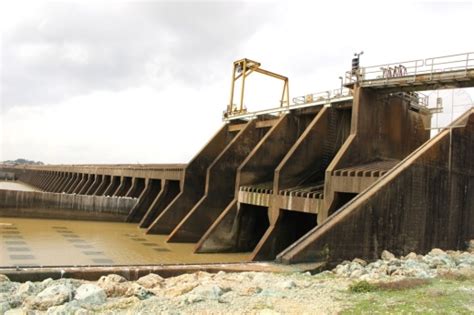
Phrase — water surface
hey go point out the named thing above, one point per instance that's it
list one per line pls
(42, 242)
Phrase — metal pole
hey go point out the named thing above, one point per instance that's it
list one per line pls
(244, 72)
(288, 92)
(231, 105)
(467, 64)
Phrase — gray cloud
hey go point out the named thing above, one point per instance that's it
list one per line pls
(72, 49)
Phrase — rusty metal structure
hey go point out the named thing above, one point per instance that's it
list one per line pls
(242, 69)
(332, 176)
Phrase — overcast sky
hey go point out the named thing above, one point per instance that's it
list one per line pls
(146, 82)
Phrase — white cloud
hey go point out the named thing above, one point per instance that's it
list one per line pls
(135, 125)
(126, 83)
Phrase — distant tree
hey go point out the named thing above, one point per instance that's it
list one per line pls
(22, 161)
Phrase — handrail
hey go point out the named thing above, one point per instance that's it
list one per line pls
(320, 96)
(413, 68)
(279, 110)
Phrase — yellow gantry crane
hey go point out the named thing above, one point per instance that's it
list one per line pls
(242, 69)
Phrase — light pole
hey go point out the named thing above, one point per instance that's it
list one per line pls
(355, 64)
(342, 84)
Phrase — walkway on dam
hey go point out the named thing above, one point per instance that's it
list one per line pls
(444, 72)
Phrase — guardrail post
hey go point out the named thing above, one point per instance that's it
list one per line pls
(431, 71)
(467, 64)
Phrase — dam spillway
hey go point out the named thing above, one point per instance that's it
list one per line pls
(332, 176)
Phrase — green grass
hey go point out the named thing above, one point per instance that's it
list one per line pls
(439, 296)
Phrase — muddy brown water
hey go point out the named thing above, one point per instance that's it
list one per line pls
(40, 242)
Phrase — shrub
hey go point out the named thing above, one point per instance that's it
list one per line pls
(362, 287)
(403, 284)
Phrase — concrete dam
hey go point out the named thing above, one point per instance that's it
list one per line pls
(327, 177)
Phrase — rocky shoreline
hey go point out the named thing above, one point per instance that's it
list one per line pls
(245, 292)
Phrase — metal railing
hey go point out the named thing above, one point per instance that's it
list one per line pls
(325, 97)
(415, 100)
(321, 96)
(408, 71)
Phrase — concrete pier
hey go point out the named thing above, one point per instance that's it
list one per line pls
(220, 184)
(414, 217)
(193, 187)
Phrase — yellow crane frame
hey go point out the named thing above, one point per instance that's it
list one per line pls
(242, 69)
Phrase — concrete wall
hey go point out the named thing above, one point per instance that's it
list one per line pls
(426, 201)
(193, 186)
(154, 171)
(220, 185)
(382, 127)
(303, 164)
(7, 175)
(258, 167)
(63, 206)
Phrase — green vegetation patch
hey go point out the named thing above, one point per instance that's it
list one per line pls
(438, 296)
(362, 287)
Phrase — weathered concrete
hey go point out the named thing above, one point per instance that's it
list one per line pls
(7, 175)
(64, 177)
(136, 188)
(95, 184)
(124, 187)
(88, 183)
(304, 164)
(382, 128)
(257, 168)
(220, 185)
(113, 186)
(71, 183)
(80, 183)
(169, 191)
(44, 179)
(104, 184)
(63, 206)
(157, 171)
(426, 201)
(193, 187)
(146, 198)
(132, 273)
(52, 181)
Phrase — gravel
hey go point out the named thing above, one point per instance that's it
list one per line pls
(224, 293)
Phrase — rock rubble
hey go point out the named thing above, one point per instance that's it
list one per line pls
(436, 262)
(250, 292)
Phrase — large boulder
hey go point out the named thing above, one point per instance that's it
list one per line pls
(4, 306)
(137, 290)
(90, 294)
(150, 281)
(470, 246)
(51, 296)
(26, 288)
(113, 285)
(386, 255)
